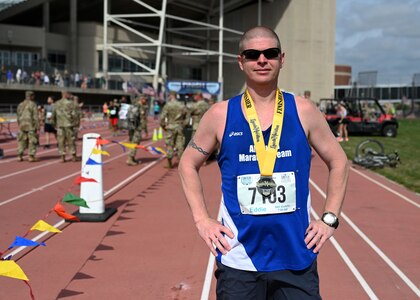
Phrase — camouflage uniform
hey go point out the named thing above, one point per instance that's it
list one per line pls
(27, 118)
(64, 118)
(134, 136)
(144, 111)
(173, 119)
(197, 111)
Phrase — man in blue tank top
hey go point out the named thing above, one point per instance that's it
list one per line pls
(266, 245)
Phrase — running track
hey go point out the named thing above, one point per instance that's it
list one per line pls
(150, 249)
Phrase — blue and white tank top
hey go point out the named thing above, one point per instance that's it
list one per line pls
(265, 242)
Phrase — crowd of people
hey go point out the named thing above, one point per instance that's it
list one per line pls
(63, 79)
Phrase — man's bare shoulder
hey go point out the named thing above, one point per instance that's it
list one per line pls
(309, 114)
(304, 105)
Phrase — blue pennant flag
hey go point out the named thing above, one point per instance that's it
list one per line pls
(20, 241)
(92, 162)
(122, 146)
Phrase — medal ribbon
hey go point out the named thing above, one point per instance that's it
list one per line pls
(266, 155)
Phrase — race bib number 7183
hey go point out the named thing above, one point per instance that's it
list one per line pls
(283, 200)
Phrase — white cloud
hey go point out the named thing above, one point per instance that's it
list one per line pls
(382, 35)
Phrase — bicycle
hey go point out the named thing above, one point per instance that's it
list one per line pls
(370, 153)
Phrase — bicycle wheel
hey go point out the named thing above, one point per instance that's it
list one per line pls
(368, 148)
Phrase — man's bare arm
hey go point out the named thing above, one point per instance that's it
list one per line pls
(325, 144)
(201, 145)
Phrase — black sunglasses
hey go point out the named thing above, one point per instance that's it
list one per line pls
(253, 54)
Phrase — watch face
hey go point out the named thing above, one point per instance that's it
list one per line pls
(329, 219)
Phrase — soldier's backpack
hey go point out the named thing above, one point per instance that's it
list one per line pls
(133, 117)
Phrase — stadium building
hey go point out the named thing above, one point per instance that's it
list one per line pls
(106, 48)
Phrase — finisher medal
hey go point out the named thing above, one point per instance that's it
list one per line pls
(266, 154)
(266, 186)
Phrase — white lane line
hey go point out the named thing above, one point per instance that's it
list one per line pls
(349, 263)
(29, 169)
(386, 188)
(378, 251)
(41, 165)
(205, 292)
(58, 180)
(13, 159)
(116, 187)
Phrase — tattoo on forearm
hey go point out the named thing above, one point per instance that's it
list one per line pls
(193, 145)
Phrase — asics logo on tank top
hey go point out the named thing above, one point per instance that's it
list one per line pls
(233, 133)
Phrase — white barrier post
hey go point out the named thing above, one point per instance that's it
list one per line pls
(92, 192)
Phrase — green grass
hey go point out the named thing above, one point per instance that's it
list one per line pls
(407, 143)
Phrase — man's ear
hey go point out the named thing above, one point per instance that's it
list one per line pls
(282, 60)
(240, 61)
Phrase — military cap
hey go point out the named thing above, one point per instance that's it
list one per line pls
(28, 94)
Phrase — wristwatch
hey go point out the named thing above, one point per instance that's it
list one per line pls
(330, 219)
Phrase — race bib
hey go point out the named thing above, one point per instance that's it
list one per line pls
(113, 112)
(283, 200)
(49, 114)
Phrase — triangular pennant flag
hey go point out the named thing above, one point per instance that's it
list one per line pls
(59, 209)
(44, 226)
(122, 146)
(10, 268)
(100, 141)
(20, 241)
(157, 150)
(80, 179)
(129, 145)
(90, 161)
(73, 199)
(97, 151)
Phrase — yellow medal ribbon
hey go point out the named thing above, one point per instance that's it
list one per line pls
(266, 155)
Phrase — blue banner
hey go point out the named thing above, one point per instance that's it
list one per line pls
(191, 87)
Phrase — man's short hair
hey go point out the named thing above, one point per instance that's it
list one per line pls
(258, 32)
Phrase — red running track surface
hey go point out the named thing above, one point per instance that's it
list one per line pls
(150, 248)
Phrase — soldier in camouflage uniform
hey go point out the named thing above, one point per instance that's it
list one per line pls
(134, 136)
(198, 108)
(173, 119)
(144, 111)
(63, 119)
(27, 118)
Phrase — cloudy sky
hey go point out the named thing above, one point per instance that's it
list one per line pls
(379, 35)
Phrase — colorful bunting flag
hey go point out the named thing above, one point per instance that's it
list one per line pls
(156, 150)
(10, 268)
(22, 242)
(90, 161)
(80, 179)
(73, 199)
(122, 146)
(44, 226)
(59, 209)
(129, 145)
(100, 141)
(97, 151)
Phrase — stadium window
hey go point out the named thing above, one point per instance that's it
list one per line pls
(385, 93)
(394, 93)
(377, 93)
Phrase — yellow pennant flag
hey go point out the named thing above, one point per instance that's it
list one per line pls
(44, 226)
(97, 151)
(129, 145)
(9, 268)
